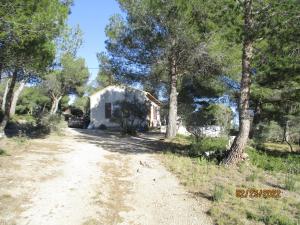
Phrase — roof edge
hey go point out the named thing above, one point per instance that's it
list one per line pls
(124, 86)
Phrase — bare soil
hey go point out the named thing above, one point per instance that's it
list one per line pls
(92, 177)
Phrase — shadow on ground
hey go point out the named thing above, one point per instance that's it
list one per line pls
(27, 130)
(116, 142)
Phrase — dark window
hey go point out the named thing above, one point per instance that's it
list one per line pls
(107, 110)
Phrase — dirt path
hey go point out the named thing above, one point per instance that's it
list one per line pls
(93, 178)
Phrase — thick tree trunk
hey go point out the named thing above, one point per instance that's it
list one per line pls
(15, 98)
(55, 104)
(9, 98)
(4, 95)
(172, 119)
(237, 149)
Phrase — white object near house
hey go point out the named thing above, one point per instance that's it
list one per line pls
(208, 131)
(103, 102)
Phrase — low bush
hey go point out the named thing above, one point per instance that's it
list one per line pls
(209, 147)
(277, 163)
(50, 123)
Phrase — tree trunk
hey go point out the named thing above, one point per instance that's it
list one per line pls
(286, 136)
(237, 148)
(55, 103)
(9, 98)
(256, 118)
(1, 69)
(5, 94)
(172, 119)
(16, 97)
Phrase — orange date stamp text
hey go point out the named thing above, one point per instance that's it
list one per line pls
(258, 193)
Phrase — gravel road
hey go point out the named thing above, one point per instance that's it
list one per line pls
(93, 177)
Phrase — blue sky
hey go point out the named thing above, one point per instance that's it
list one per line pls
(92, 17)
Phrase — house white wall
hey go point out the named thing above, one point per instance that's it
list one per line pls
(154, 110)
(112, 94)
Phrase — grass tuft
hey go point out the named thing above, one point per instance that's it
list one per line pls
(218, 193)
(2, 152)
(290, 182)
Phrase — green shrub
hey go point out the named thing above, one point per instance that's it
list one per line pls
(270, 162)
(270, 131)
(50, 123)
(218, 193)
(23, 119)
(216, 146)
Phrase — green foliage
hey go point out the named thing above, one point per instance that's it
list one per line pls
(214, 114)
(27, 33)
(51, 123)
(105, 76)
(70, 79)
(268, 132)
(33, 101)
(215, 146)
(276, 91)
(142, 45)
(82, 103)
(69, 41)
(274, 162)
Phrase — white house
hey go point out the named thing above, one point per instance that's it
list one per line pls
(103, 103)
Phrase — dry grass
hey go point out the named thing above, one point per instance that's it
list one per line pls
(218, 184)
(280, 147)
(11, 146)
